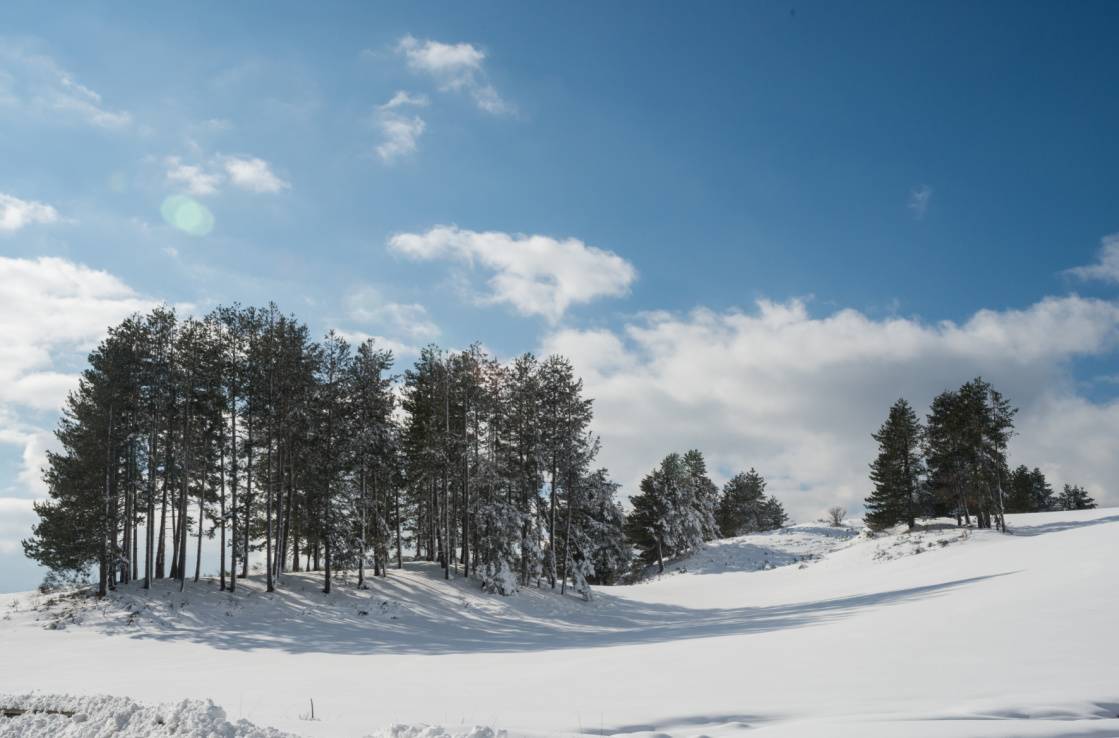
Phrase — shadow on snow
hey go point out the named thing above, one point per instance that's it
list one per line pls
(419, 613)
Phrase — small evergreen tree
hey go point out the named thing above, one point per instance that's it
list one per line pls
(896, 470)
(1075, 497)
(741, 506)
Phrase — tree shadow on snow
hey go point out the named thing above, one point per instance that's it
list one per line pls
(418, 613)
(1043, 528)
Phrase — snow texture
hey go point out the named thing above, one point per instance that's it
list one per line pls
(68, 716)
(806, 631)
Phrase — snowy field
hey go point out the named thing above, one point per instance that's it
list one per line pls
(808, 631)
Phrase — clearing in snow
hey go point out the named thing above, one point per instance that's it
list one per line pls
(810, 630)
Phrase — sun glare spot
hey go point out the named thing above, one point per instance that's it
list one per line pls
(188, 215)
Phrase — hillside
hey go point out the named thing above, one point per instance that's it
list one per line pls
(805, 631)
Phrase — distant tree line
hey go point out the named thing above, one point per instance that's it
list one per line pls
(955, 464)
(313, 456)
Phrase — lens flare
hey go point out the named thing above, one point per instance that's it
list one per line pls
(188, 215)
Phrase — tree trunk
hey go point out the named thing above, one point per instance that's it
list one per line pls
(103, 561)
(221, 502)
(567, 540)
(399, 541)
(149, 530)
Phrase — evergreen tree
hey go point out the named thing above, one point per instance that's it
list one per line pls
(1075, 497)
(675, 510)
(1028, 491)
(742, 506)
(773, 514)
(896, 470)
(237, 426)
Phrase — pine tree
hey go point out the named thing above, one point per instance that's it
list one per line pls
(773, 514)
(896, 470)
(675, 511)
(741, 507)
(1075, 497)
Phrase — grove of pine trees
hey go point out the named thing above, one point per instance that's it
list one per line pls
(955, 464)
(678, 508)
(307, 456)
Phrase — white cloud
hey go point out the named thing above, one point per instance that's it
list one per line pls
(398, 348)
(36, 84)
(16, 213)
(194, 178)
(52, 311)
(254, 175)
(16, 519)
(458, 67)
(797, 396)
(919, 199)
(1107, 267)
(248, 173)
(52, 306)
(399, 134)
(537, 275)
(366, 306)
(403, 98)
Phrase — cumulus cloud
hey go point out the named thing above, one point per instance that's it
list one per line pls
(193, 177)
(797, 396)
(458, 67)
(34, 83)
(365, 306)
(1106, 268)
(51, 306)
(399, 135)
(52, 311)
(16, 214)
(253, 174)
(536, 275)
(919, 199)
(247, 173)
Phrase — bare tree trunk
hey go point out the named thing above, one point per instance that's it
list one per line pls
(103, 563)
(186, 488)
(271, 586)
(233, 483)
(361, 557)
(149, 530)
(221, 499)
(247, 523)
(567, 540)
(201, 517)
(399, 540)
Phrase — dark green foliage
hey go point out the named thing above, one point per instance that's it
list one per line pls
(966, 437)
(744, 507)
(896, 470)
(1075, 497)
(1028, 491)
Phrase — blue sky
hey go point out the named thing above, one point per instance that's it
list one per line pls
(866, 171)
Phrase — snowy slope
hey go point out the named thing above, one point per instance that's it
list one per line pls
(807, 631)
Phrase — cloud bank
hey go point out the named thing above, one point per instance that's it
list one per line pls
(797, 396)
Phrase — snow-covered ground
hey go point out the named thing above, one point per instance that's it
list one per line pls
(802, 632)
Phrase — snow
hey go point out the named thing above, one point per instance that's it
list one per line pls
(809, 630)
(68, 716)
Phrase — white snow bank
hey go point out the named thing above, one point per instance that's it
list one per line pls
(68, 716)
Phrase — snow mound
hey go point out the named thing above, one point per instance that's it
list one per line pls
(796, 544)
(68, 716)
